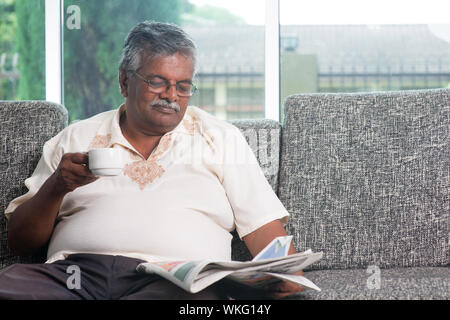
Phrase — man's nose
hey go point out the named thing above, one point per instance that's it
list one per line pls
(170, 93)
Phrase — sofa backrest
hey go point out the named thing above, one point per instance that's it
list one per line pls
(24, 128)
(263, 137)
(365, 177)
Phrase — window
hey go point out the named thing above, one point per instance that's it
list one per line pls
(93, 40)
(347, 46)
(228, 79)
(22, 50)
(231, 69)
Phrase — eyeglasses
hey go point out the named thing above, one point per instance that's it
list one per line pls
(158, 84)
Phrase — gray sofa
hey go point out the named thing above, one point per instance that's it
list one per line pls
(364, 176)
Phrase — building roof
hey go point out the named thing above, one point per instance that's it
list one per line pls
(396, 48)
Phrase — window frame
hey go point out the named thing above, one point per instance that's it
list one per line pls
(53, 51)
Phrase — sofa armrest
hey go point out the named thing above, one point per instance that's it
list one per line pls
(24, 128)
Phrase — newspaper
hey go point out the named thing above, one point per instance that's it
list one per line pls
(272, 264)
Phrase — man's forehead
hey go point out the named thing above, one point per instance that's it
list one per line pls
(148, 59)
(174, 66)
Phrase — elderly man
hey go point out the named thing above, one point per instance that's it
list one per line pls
(180, 194)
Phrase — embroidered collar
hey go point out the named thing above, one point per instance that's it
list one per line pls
(110, 132)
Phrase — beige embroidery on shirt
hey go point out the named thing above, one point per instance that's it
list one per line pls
(194, 126)
(190, 126)
(162, 147)
(144, 172)
(100, 141)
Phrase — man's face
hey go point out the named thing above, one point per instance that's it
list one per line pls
(144, 111)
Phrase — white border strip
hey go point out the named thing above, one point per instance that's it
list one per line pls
(53, 53)
(272, 60)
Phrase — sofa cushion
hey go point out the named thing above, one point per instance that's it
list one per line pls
(379, 284)
(24, 128)
(365, 177)
(263, 137)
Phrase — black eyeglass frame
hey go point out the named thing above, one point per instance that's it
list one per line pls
(167, 86)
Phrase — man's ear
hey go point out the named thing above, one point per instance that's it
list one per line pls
(123, 81)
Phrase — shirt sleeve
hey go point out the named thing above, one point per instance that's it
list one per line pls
(251, 197)
(46, 166)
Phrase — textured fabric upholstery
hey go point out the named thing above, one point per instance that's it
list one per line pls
(263, 137)
(422, 283)
(24, 128)
(366, 177)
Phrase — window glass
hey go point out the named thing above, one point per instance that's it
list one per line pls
(22, 49)
(94, 32)
(231, 67)
(230, 74)
(354, 46)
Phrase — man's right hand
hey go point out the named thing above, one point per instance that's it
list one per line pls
(72, 172)
(31, 224)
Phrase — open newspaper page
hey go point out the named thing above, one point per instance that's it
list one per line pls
(270, 265)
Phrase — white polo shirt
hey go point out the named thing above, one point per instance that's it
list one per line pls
(201, 182)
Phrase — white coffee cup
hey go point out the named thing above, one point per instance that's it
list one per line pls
(106, 161)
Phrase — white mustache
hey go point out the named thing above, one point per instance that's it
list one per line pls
(163, 103)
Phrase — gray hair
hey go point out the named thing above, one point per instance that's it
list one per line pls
(154, 39)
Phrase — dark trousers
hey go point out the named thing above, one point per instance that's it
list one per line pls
(94, 276)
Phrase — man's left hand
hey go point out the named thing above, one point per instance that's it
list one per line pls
(257, 241)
